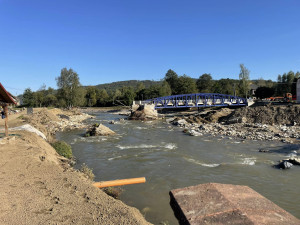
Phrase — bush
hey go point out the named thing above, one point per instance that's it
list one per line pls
(63, 149)
(87, 171)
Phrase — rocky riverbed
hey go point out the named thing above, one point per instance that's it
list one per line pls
(276, 123)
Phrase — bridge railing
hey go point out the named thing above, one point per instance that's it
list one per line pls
(196, 100)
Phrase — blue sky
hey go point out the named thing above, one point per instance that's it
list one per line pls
(113, 40)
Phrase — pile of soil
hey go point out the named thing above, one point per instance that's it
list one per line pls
(272, 115)
(37, 187)
(209, 116)
(50, 121)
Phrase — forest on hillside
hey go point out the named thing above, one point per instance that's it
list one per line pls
(70, 92)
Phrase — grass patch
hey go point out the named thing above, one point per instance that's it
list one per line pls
(63, 149)
(87, 171)
(113, 192)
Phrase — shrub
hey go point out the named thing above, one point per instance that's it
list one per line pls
(113, 192)
(87, 171)
(63, 149)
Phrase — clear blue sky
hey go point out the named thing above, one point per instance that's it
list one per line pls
(106, 41)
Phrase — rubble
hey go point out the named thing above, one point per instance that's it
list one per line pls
(244, 126)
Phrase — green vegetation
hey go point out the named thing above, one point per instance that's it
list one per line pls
(244, 81)
(70, 93)
(87, 171)
(63, 149)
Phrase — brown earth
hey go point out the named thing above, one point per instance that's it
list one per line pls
(39, 187)
(271, 115)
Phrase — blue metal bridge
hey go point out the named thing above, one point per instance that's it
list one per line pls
(196, 100)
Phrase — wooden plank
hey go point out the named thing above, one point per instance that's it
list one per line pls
(6, 120)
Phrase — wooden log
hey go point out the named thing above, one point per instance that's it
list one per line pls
(120, 182)
(6, 120)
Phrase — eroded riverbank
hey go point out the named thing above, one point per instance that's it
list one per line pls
(39, 186)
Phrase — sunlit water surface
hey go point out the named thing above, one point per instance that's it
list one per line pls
(170, 159)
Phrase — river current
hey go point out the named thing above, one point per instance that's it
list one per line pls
(170, 159)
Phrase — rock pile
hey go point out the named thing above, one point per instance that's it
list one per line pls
(243, 125)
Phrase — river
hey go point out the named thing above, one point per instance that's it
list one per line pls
(170, 159)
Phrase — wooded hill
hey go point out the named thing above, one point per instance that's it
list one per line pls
(111, 87)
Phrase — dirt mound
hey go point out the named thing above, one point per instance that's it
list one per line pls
(41, 120)
(210, 116)
(271, 115)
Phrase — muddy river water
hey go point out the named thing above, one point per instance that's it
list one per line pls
(170, 159)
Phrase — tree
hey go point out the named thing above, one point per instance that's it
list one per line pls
(172, 78)
(165, 89)
(102, 97)
(128, 95)
(39, 98)
(244, 80)
(28, 98)
(50, 100)
(69, 87)
(117, 94)
(91, 96)
(205, 83)
(224, 86)
(186, 85)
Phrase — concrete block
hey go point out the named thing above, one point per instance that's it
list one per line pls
(214, 203)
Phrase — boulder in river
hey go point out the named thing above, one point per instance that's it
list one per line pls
(284, 165)
(143, 112)
(99, 130)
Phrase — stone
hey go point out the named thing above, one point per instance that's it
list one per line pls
(284, 165)
(170, 120)
(195, 133)
(99, 130)
(294, 161)
(143, 112)
(180, 122)
(214, 203)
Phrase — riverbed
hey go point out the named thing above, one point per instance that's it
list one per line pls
(170, 159)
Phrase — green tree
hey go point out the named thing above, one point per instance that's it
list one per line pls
(205, 83)
(69, 87)
(128, 95)
(39, 98)
(172, 78)
(186, 85)
(28, 98)
(91, 96)
(102, 97)
(50, 100)
(224, 86)
(165, 89)
(244, 80)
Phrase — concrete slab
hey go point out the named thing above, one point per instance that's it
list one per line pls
(214, 203)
